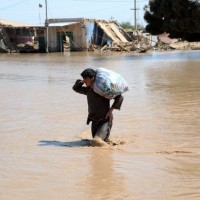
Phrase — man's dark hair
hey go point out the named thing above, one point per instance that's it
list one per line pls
(88, 73)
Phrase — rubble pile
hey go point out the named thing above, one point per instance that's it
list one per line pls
(161, 46)
(179, 45)
(28, 47)
(95, 35)
(139, 44)
(185, 45)
(164, 43)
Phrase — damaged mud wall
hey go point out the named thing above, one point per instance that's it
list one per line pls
(108, 36)
(26, 40)
(71, 37)
(77, 34)
(3, 47)
(19, 39)
(6, 38)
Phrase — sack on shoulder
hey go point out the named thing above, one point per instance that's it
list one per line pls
(109, 84)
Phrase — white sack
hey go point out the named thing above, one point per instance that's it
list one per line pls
(109, 84)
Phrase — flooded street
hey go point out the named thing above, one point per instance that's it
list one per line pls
(42, 123)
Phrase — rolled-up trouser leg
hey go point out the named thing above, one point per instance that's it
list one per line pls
(101, 129)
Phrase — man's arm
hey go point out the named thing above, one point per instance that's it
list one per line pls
(116, 105)
(78, 87)
(117, 102)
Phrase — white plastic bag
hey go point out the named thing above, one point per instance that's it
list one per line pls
(109, 84)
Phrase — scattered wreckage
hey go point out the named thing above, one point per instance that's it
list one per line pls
(17, 37)
(164, 43)
(140, 44)
(80, 34)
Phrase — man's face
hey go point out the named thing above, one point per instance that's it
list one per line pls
(88, 81)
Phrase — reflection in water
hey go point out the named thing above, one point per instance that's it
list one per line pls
(159, 120)
(78, 143)
(103, 182)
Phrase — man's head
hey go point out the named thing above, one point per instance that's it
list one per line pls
(88, 77)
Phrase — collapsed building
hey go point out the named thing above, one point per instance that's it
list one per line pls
(68, 34)
(80, 34)
(19, 37)
(87, 34)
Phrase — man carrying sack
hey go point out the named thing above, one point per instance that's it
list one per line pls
(100, 113)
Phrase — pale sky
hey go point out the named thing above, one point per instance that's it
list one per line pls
(28, 11)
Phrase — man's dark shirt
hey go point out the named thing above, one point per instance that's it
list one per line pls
(98, 106)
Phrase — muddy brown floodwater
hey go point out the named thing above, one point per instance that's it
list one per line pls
(42, 124)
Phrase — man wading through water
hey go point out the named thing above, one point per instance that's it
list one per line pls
(99, 110)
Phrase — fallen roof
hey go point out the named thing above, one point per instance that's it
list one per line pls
(112, 31)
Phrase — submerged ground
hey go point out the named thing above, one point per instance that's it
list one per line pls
(43, 122)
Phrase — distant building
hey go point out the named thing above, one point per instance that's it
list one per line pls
(19, 37)
(74, 34)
